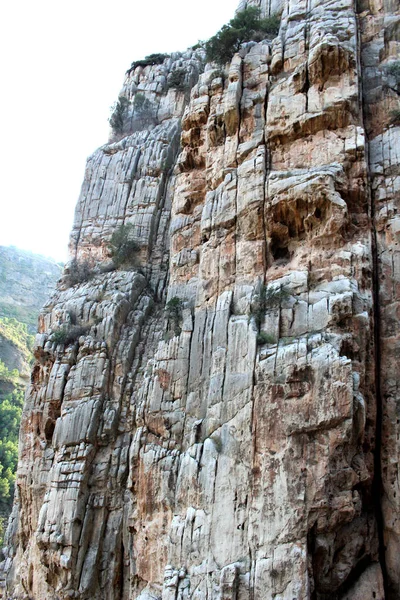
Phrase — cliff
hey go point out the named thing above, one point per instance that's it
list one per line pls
(223, 424)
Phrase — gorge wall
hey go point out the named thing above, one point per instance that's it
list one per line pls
(247, 449)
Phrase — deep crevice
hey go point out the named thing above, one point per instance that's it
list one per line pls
(377, 483)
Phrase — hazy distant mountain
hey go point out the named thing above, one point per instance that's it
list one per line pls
(26, 280)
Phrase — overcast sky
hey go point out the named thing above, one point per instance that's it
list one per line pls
(62, 66)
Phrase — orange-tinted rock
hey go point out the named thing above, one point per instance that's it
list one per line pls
(229, 449)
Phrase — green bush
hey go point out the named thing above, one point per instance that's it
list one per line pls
(218, 74)
(265, 338)
(21, 314)
(69, 335)
(60, 335)
(150, 60)
(393, 69)
(144, 111)
(123, 247)
(395, 117)
(177, 80)
(78, 272)
(121, 120)
(245, 26)
(120, 115)
(270, 25)
(266, 299)
(17, 333)
(7, 375)
(174, 310)
(10, 417)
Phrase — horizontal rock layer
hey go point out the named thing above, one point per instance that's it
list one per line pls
(233, 448)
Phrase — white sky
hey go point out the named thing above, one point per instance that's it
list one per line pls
(62, 66)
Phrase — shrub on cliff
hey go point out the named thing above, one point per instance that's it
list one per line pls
(78, 272)
(69, 335)
(266, 299)
(177, 80)
(395, 117)
(264, 338)
(245, 26)
(269, 26)
(174, 310)
(150, 60)
(393, 69)
(144, 111)
(121, 121)
(123, 247)
(120, 115)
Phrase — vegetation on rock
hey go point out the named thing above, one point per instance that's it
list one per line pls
(395, 117)
(266, 299)
(123, 247)
(393, 69)
(123, 122)
(174, 310)
(177, 80)
(119, 116)
(245, 26)
(144, 111)
(264, 338)
(200, 45)
(150, 60)
(78, 272)
(68, 334)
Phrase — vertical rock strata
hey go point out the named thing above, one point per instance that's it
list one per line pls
(380, 46)
(237, 453)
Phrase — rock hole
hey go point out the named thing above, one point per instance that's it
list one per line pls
(347, 349)
(280, 253)
(35, 377)
(49, 430)
(318, 213)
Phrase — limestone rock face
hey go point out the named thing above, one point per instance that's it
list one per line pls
(221, 421)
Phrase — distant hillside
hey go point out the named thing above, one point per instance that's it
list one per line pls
(26, 280)
(15, 359)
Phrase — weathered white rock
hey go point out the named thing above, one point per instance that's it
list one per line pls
(228, 447)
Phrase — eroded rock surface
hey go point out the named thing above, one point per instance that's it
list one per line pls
(231, 449)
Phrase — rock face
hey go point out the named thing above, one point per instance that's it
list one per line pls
(243, 443)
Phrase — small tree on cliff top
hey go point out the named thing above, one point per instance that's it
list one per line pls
(245, 26)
